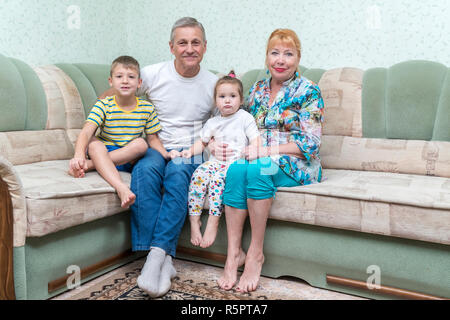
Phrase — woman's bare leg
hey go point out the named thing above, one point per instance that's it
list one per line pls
(258, 213)
(235, 219)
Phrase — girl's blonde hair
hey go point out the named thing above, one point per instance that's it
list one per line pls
(230, 78)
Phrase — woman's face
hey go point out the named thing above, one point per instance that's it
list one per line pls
(282, 61)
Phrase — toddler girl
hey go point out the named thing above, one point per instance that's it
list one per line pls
(237, 129)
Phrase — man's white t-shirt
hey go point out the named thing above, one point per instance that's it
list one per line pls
(236, 130)
(183, 104)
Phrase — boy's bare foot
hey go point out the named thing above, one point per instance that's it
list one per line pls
(250, 277)
(210, 232)
(196, 234)
(76, 173)
(229, 277)
(127, 197)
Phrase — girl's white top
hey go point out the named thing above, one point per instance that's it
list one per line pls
(236, 130)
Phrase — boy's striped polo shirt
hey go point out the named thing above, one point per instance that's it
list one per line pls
(118, 127)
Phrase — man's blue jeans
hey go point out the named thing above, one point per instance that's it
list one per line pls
(158, 214)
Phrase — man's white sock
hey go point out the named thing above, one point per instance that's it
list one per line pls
(150, 273)
(168, 272)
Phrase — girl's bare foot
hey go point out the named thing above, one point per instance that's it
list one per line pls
(229, 277)
(210, 232)
(250, 277)
(127, 197)
(196, 235)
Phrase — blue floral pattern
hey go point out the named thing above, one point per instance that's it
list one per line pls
(296, 115)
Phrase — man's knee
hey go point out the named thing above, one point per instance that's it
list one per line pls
(151, 161)
(179, 171)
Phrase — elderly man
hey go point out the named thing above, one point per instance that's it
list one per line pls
(182, 93)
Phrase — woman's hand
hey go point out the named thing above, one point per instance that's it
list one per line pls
(253, 152)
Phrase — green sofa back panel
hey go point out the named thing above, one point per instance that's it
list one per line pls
(250, 77)
(83, 84)
(313, 74)
(97, 74)
(373, 112)
(402, 102)
(442, 124)
(37, 111)
(13, 101)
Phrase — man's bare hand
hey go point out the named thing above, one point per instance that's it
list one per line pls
(174, 154)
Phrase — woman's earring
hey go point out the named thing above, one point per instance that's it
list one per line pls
(267, 71)
(296, 74)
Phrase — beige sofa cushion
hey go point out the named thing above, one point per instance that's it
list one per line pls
(21, 147)
(65, 108)
(407, 206)
(430, 158)
(56, 201)
(341, 93)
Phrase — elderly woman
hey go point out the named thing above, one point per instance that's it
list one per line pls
(288, 110)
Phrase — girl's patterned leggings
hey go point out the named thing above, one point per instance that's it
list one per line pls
(209, 178)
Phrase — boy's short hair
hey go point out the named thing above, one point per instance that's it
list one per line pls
(127, 62)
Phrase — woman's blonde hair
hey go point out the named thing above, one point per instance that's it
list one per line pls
(285, 36)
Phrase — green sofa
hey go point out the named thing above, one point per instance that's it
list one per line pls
(381, 217)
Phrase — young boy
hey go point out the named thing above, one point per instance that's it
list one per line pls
(122, 119)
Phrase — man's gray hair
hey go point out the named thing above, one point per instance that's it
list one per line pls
(187, 22)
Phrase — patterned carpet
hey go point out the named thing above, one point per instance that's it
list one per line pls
(194, 281)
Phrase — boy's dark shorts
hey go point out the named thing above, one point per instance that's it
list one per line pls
(127, 167)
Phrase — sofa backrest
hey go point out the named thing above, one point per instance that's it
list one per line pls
(33, 121)
(383, 119)
(410, 100)
(393, 120)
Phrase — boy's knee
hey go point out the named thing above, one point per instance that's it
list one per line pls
(140, 146)
(95, 146)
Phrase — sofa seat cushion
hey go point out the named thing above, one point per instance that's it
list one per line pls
(55, 200)
(402, 205)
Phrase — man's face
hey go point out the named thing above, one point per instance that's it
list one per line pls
(188, 47)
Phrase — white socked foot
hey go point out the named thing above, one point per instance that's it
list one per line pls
(151, 272)
(168, 272)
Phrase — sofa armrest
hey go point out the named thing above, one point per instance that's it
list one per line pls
(12, 185)
(6, 241)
